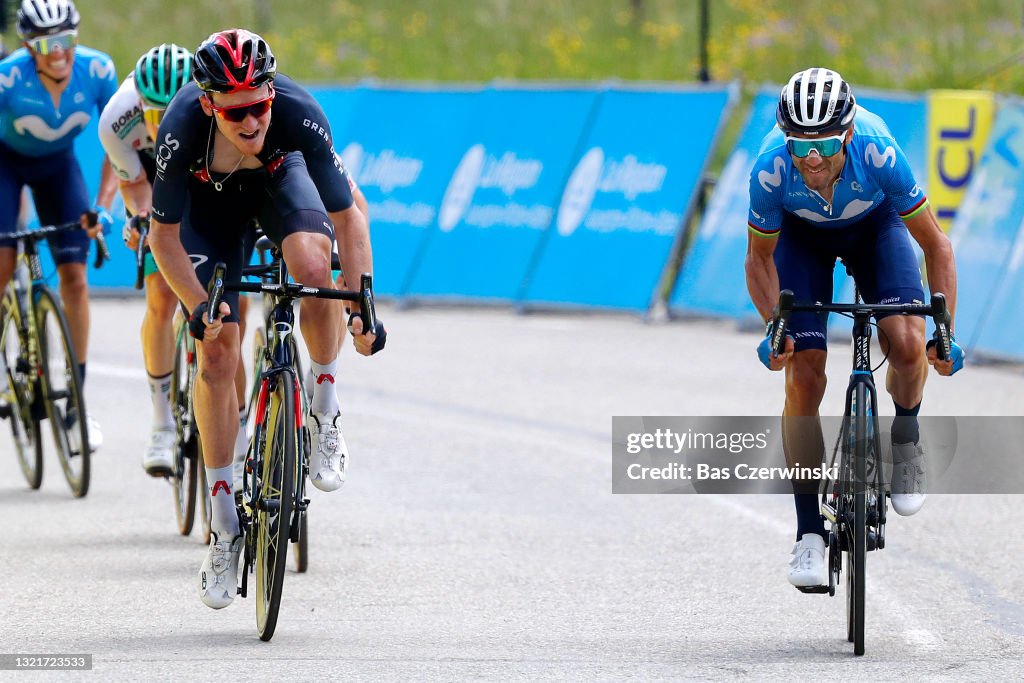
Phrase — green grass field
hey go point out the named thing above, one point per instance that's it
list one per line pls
(910, 45)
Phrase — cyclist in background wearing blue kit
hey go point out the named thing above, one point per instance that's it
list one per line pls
(48, 91)
(831, 182)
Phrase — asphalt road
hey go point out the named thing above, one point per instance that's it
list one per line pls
(478, 537)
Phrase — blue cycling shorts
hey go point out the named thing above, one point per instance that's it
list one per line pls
(58, 189)
(876, 249)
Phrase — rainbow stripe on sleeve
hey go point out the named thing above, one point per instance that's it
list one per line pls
(914, 210)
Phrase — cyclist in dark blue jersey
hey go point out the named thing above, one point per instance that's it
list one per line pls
(830, 182)
(49, 90)
(243, 144)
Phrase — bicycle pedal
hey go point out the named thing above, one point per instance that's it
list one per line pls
(813, 589)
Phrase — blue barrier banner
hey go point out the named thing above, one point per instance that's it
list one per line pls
(502, 195)
(623, 205)
(987, 241)
(401, 147)
(711, 281)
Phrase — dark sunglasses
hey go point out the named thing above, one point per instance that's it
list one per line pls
(238, 112)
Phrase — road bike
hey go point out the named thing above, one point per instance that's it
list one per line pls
(272, 504)
(39, 370)
(855, 501)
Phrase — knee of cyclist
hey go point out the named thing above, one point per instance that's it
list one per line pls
(312, 270)
(73, 279)
(218, 364)
(906, 353)
(806, 382)
(160, 299)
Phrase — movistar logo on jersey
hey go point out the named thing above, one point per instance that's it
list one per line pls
(773, 179)
(7, 80)
(40, 130)
(102, 70)
(879, 159)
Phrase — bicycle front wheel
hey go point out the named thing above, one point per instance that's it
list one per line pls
(18, 393)
(65, 406)
(857, 556)
(186, 450)
(274, 496)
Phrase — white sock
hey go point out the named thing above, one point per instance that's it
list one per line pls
(224, 519)
(160, 395)
(325, 396)
(241, 441)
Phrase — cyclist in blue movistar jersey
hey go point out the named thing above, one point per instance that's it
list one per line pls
(49, 89)
(831, 182)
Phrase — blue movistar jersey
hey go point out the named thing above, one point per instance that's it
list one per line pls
(29, 123)
(875, 170)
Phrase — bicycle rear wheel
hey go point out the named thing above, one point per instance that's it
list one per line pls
(17, 394)
(65, 406)
(274, 496)
(300, 537)
(186, 451)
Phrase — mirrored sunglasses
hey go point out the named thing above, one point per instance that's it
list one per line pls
(44, 45)
(825, 147)
(238, 112)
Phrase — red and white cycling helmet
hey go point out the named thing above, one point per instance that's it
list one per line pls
(233, 60)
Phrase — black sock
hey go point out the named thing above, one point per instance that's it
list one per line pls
(905, 428)
(81, 374)
(808, 513)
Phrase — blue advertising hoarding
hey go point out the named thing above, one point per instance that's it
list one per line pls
(623, 205)
(987, 242)
(402, 146)
(502, 195)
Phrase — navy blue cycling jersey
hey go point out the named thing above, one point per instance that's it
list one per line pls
(297, 124)
(875, 170)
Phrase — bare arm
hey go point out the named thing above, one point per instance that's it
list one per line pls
(938, 256)
(137, 194)
(174, 263)
(762, 277)
(108, 184)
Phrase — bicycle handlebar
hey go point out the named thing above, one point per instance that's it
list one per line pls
(39, 234)
(141, 224)
(102, 253)
(294, 290)
(937, 310)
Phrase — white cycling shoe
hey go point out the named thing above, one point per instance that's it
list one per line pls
(158, 461)
(328, 457)
(908, 478)
(92, 428)
(218, 577)
(807, 569)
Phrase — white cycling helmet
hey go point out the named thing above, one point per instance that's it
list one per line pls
(46, 17)
(816, 100)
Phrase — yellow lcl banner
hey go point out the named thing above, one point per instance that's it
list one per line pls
(959, 123)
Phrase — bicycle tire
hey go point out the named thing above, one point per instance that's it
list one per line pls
(300, 544)
(19, 395)
(186, 455)
(859, 556)
(62, 393)
(274, 499)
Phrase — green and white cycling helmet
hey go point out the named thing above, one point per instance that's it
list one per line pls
(161, 72)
